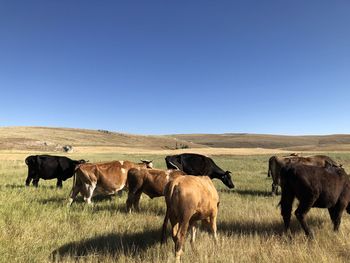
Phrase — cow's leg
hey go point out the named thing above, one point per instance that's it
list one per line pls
(193, 233)
(28, 180)
(335, 214)
(36, 181)
(136, 200)
(304, 207)
(74, 192)
(90, 191)
(129, 201)
(213, 226)
(286, 202)
(164, 227)
(274, 189)
(174, 230)
(59, 183)
(180, 238)
(193, 229)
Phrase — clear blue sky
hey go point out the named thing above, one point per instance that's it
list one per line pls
(164, 67)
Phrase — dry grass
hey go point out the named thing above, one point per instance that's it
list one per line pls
(52, 139)
(293, 143)
(36, 226)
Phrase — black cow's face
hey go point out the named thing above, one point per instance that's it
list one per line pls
(227, 180)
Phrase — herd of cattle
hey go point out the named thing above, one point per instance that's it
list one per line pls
(316, 181)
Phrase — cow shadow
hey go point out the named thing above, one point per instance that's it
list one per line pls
(43, 187)
(109, 244)
(53, 200)
(248, 228)
(253, 192)
(121, 208)
(226, 190)
(23, 186)
(13, 186)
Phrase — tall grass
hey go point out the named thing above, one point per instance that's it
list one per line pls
(36, 225)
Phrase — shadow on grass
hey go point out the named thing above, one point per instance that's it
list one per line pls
(13, 186)
(53, 200)
(253, 192)
(121, 208)
(265, 228)
(109, 244)
(23, 186)
(226, 190)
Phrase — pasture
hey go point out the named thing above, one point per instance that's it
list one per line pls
(37, 226)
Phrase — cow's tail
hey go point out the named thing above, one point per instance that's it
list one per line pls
(169, 190)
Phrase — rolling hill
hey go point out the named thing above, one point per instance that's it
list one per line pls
(292, 143)
(53, 139)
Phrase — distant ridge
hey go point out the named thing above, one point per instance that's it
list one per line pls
(285, 142)
(53, 139)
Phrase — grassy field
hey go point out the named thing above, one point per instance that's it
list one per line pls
(36, 225)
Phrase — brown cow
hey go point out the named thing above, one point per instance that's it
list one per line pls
(276, 163)
(107, 178)
(189, 199)
(148, 181)
(314, 186)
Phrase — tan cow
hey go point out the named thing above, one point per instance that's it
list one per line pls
(105, 178)
(149, 181)
(189, 199)
(276, 163)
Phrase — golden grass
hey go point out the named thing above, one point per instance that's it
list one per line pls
(36, 226)
(52, 139)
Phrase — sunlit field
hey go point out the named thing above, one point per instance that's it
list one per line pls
(37, 226)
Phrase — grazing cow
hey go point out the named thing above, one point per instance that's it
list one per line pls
(50, 167)
(196, 164)
(314, 186)
(108, 178)
(189, 199)
(148, 181)
(276, 163)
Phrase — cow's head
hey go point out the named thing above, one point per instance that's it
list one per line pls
(227, 180)
(148, 163)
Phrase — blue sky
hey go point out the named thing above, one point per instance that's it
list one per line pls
(164, 67)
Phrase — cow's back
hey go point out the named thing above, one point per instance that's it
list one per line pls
(191, 194)
(325, 185)
(48, 167)
(191, 163)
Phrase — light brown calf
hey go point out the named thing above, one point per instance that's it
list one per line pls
(149, 181)
(105, 178)
(189, 199)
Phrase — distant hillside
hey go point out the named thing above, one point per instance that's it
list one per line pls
(242, 140)
(53, 139)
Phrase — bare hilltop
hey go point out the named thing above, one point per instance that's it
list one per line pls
(54, 139)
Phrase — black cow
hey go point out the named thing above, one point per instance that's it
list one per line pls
(196, 164)
(322, 187)
(50, 167)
